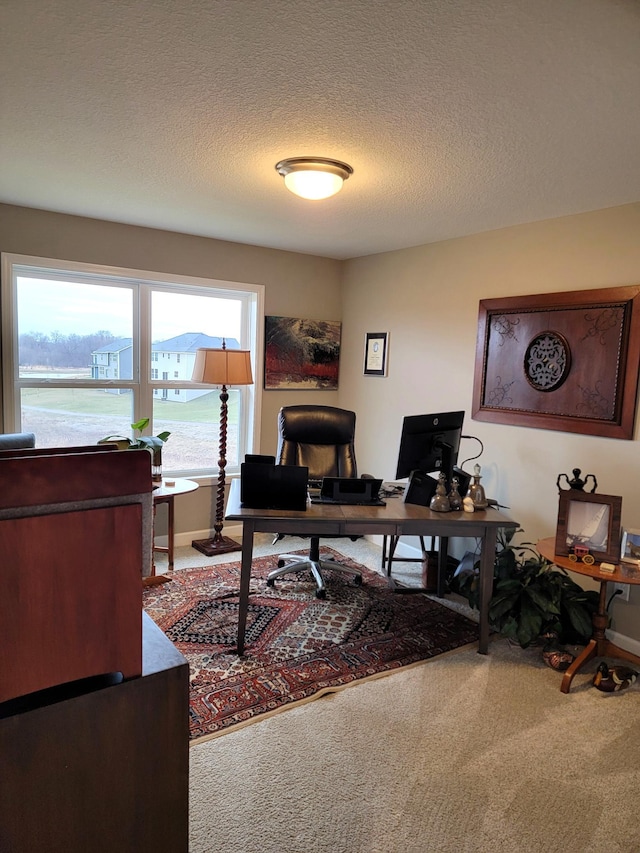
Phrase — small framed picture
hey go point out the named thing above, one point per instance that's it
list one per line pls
(591, 521)
(630, 547)
(375, 353)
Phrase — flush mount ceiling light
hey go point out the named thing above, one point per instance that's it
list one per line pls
(313, 177)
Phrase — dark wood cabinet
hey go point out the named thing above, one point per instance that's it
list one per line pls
(75, 543)
(104, 770)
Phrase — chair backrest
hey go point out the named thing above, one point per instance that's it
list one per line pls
(320, 437)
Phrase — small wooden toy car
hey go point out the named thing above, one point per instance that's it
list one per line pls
(581, 554)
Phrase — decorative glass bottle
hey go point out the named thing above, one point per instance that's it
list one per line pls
(440, 501)
(476, 490)
(455, 499)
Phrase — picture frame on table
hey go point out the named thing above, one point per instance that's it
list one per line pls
(630, 547)
(589, 520)
(375, 353)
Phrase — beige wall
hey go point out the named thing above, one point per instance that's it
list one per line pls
(427, 299)
(295, 286)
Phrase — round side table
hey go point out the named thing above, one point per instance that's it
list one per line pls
(599, 645)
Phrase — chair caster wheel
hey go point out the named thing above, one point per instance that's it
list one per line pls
(271, 582)
(280, 563)
(321, 593)
(358, 580)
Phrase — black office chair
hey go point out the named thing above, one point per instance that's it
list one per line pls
(321, 438)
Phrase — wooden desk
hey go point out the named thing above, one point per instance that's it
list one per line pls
(165, 495)
(599, 645)
(396, 518)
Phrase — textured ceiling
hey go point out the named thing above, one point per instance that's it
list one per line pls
(457, 117)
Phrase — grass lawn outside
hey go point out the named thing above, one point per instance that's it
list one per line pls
(64, 417)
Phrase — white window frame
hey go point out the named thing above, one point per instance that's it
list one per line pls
(142, 387)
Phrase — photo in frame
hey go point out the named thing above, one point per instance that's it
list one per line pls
(590, 520)
(301, 355)
(375, 353)
(630, 547)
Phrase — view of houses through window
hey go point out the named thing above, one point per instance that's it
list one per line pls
(87, 353)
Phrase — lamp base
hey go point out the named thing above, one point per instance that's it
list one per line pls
(219, 545)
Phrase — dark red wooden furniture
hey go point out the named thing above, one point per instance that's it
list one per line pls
(94, 699)
(75, 541)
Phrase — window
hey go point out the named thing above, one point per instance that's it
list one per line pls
(78, 346)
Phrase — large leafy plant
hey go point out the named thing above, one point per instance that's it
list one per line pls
(531, 596)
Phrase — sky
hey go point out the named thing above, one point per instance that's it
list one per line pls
(73, 308)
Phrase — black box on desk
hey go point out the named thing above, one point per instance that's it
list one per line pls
(420, 489)
(267, 486)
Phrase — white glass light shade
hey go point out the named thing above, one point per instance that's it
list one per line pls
(313, 177)
(313, 185)
(222, 367)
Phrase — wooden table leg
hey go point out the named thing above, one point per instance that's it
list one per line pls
(598, 645)
(154, 578)
(487, 559)
(245, 580)
(153, 547)
(383, 563)
(170, 530)
(589, 651)
(443, 557)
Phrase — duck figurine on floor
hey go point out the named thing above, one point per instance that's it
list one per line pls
(611, 679)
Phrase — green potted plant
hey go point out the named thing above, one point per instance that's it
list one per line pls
(532, 598)
(152, 443)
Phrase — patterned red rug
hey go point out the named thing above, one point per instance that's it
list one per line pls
(297, 646)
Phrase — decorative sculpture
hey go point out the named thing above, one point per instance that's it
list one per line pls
(577, 482)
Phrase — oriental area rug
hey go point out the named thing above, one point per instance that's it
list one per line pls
(297, 646)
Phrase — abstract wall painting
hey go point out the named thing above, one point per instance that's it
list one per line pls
(301, 355)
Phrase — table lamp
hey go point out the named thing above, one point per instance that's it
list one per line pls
(221, 367)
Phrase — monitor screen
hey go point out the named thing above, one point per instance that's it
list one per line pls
(429, 443)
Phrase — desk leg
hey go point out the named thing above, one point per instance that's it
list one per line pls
(248, 530)
(443, 556)
(487, 559)
(383, 563)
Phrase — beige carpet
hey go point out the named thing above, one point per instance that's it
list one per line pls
(461, 753)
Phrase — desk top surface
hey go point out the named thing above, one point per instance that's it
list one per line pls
(395, 510)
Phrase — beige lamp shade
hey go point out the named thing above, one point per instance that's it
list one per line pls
(222, 367)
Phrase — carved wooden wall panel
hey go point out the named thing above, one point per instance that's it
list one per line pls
(563, 361)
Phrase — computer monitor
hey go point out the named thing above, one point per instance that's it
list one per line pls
(429, 443)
